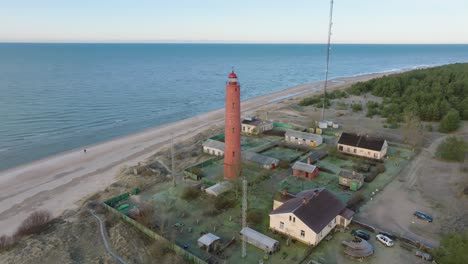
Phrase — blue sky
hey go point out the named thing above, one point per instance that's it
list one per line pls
(274, 21)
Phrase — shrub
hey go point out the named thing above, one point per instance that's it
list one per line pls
(355, 200)
(450, 122)
(452, 249)
(197, 171)
(190, 193)
(380, 168)
(254, 217)
(6, 242)
(356, 107)
(340, 105)
(222, 202)
(371, 176)
(452, 149)
(145, 215)
(35, 223)
(284, 164)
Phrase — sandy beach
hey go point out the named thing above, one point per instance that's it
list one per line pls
(58, 182)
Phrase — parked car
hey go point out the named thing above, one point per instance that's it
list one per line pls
(359, 233)
(423, 216)
(391, 236)
(423, 255)
(384, 240)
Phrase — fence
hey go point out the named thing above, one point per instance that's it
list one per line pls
(202, 164)
(177, 249)
(282, 125)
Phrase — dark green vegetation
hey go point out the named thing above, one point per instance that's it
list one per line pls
(317, 100)
(453, 248)
(432, 94)
(450, 122)
(452, 149)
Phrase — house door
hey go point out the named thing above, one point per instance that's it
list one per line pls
(342, 221)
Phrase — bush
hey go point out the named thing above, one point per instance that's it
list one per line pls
(6, 242)
(371, 176)
(197, 171)
(356, 107)
(380, 168)
(284, 164)
(254, 217)
(452, 149)
(222, 202)
(355, 200)
(190, 193)
(340, 105)
(372, 109)
(35, 223)
(450, 122)
(145, 215)
(452, 249)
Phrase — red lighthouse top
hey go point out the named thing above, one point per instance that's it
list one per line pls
(232, 75)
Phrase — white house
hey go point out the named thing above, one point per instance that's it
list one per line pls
(303, 138)
(309, 215)
(364, 146)
(253, 125)
(213, 147)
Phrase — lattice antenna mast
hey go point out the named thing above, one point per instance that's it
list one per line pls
(172, 162)
(328, 61)
(244, 214)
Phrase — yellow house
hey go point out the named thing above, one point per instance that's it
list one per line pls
(252, 125)
(309, 216)
(364, 146)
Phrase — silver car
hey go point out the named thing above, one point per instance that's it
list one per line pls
(384, 240)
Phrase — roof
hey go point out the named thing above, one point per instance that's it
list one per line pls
(232, 75)
(304, 135)
(347, 213)
(254, 122)
(259, 158)
(316, 208)
(208, 239)
(259, 237)
(219, 188)
(210, 143)
(351, 175)
(317, 155)
(366, 142)
(304, 167)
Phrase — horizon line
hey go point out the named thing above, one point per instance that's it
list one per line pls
(215, 42)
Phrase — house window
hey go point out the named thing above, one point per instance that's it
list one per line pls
(294, 219)
(243, 128)
(320, 233)
(290, 218)
(281, 225)
(330, 224)
(334, 220)
(233, 104)
(375, 155)
(347, 149)
(354, 150)
(340, 148)
(302, 233)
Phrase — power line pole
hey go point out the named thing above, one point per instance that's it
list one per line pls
(172, 162)
(244, 214)
(328, 61)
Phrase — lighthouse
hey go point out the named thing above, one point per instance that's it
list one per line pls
(232, 127)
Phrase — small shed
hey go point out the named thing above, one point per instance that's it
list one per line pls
(218, 188)
(303, 138)
(209, 241)
(259, 240)
(266, 162)
(213, 147)
(305, 170)
(351, 179)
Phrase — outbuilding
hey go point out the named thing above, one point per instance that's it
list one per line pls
(305, 170)
(209, 241)
(218, 188)
(213, 147)
(259, 240)
(353, 180)
(252, 125)
(303, 138)
(266, 162)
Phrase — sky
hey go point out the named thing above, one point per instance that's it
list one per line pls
(240, 21)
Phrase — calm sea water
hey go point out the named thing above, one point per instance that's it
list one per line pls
(56, 97)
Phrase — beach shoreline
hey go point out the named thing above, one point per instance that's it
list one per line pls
(58, 182)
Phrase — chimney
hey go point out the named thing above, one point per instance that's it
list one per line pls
(308, 160)
(354, 173)
(285, 191)
(316, 193)
(304, 200)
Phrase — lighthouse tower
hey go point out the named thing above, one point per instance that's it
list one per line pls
(232, 127)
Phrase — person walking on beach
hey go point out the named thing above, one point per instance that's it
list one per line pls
(84, 150)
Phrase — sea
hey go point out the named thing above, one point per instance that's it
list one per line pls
(58, 97)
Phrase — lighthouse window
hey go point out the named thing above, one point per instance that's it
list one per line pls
(233, 130)
(233, 105)
(233, 153)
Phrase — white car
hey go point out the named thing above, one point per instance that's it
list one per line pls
(384, 240)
